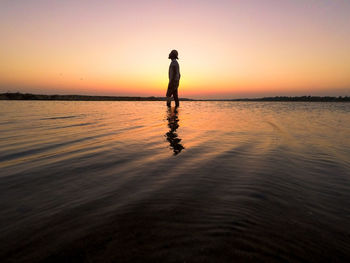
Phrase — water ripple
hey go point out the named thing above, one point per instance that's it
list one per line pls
(107, 182)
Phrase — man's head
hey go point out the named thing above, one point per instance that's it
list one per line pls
(173, 54)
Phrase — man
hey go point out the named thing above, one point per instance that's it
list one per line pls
(174, 78)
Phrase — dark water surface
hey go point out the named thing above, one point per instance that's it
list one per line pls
(213, 182)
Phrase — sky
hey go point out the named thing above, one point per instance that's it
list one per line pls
(227, 49)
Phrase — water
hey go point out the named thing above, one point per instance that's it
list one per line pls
(213, 182)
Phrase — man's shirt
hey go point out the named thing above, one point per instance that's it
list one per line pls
(174, 70)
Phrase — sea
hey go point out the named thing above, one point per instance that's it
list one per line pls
(135, 181)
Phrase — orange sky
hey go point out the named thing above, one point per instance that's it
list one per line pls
(227, 49)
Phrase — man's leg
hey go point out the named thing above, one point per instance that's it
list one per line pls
(169, 93)
(168, 101)
(176, 98)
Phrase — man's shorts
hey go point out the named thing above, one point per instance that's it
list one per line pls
(172, 87)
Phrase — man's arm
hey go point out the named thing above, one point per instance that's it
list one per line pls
(172, 72)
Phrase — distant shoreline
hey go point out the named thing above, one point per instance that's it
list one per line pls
(29, 96)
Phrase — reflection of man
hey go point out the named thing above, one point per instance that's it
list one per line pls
(174, 78)
(172, 137)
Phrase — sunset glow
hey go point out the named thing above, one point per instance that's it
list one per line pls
(227, 49)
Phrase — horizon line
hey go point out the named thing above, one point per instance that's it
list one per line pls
(72, 97)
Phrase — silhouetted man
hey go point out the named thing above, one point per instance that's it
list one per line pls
(174, 78)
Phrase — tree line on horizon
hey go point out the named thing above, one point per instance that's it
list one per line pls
(29, 96)
(299, 98)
